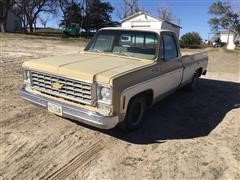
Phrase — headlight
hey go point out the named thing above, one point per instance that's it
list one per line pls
(104, 94)
(26, 76)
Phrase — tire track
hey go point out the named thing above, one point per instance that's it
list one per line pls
(38, 165)
(58, 149)
(23, 114)
(81, 160)
(19, 148)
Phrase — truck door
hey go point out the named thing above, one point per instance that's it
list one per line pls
(170, 63)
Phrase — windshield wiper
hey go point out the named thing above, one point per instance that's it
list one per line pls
(97, 50)
(125, 54)
(117, 53)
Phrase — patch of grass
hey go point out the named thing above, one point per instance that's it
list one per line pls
(51, 33)
(48, 30)
(33, 37)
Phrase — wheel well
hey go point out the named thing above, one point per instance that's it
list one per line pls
(148, 95)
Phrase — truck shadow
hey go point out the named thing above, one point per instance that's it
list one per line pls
(185, 115)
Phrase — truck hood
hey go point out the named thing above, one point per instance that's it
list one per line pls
(87, 66)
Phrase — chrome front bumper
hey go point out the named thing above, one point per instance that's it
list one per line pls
(72, 112)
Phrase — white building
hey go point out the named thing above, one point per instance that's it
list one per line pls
(228, 40)
(224, 36)
(144, 20)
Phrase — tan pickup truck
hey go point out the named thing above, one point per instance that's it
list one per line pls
(119, 74)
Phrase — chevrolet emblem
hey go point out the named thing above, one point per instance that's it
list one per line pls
(57, 85)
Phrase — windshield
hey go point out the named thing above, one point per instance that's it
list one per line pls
(128, 43)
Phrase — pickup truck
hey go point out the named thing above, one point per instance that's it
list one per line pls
(120, 73)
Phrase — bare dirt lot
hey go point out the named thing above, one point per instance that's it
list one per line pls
(189, 135)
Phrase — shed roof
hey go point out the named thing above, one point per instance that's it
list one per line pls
(137, 29)
(141, 13)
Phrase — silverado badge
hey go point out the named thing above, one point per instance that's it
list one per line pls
(57, 85)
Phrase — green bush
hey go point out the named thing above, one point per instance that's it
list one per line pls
(191, 40)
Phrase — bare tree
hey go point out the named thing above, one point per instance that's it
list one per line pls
(130, 7)
(43, 20)
(29, 10)
(63, 4)
(165, 13)
(127, 8)
(120, 11)
(238, 11)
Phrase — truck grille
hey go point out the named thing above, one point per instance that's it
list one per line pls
(69, 89)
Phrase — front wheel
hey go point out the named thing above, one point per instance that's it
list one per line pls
(135, 114)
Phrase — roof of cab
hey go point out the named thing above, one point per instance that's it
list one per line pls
(137, 29)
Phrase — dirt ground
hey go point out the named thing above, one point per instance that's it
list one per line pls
(189, 135)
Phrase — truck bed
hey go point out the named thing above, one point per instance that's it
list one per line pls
(191, 51)
(192, 62)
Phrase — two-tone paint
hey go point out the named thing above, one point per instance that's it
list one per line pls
(128, 77)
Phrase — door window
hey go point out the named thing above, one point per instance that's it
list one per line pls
(168, 48)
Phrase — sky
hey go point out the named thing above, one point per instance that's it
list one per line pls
(193, 14)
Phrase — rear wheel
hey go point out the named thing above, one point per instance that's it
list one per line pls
(192, 86)
(135, 114)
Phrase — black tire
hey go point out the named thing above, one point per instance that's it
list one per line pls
(135, 114)
(192, 86)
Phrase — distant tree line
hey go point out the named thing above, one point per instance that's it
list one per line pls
(29, 10)
(190, 40)
(89, 14)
